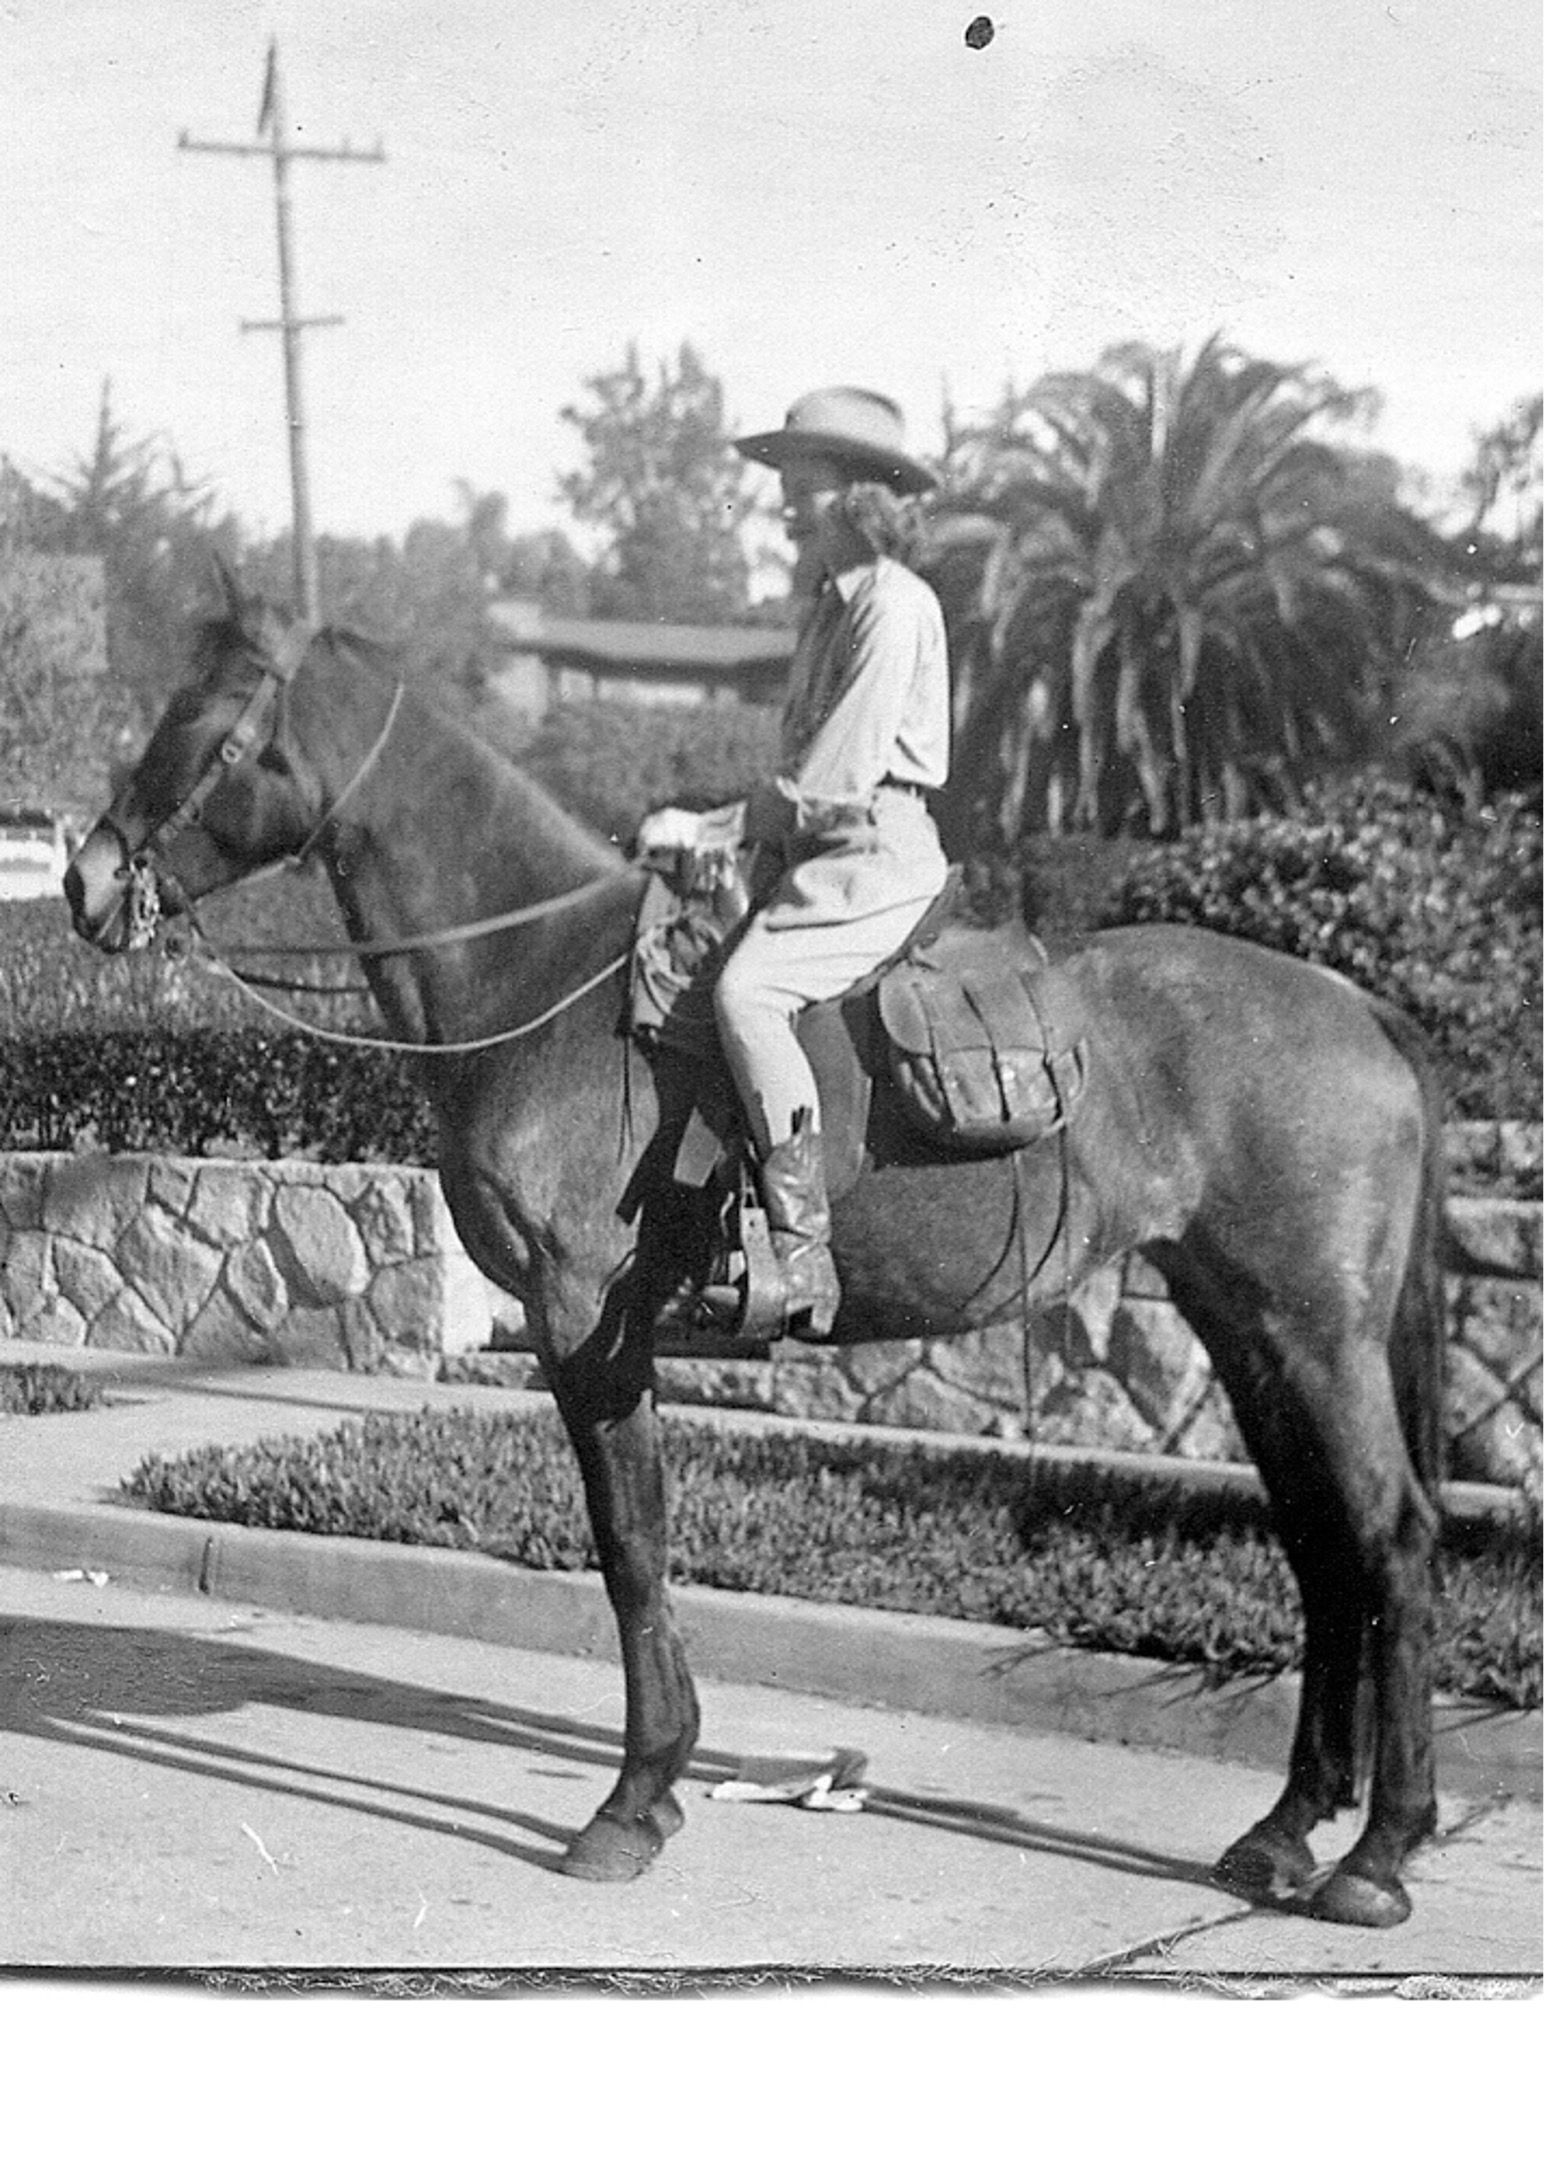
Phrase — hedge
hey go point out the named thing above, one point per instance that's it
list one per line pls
(183, 1092)
(1415, 894)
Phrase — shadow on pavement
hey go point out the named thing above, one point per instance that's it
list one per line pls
(85, 1685)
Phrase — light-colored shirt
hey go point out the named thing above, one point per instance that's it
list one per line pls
(868, 702)
(869, 688)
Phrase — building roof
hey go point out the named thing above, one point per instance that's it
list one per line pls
(586, 641)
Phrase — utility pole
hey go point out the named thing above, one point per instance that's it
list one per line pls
(290, 324)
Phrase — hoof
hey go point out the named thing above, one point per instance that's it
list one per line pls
(1267, 1867)
(1354, 1901)
(667, 1816)
(607, 1850)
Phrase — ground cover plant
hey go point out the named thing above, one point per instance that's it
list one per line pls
(1194, 1579)
(34, 1390)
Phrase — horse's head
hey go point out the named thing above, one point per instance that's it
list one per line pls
(217, 792)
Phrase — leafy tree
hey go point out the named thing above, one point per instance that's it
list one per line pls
(63, 721)
(1469, 703)
(425, 596)
(483, 526)
(156, 531)
(1172, 595)
(1501, 491)
(544, 566)
(665, 487)
(547, 567)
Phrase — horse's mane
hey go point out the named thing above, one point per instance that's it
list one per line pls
(390, 661)
(220, 639)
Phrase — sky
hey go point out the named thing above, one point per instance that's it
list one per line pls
(809, 191)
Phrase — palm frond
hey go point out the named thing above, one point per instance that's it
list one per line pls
(1193, 589)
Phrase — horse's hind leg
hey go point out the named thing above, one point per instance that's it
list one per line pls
(1273, 1862)
(1390, 1532)
(604, 1394)
(1320, 1419)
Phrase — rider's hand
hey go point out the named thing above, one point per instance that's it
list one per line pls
(771, 811)
(665, 832)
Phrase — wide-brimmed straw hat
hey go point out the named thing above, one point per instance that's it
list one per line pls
(857, 429)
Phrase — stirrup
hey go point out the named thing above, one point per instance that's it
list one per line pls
(744, 1294)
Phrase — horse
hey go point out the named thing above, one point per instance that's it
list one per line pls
(1265, 1133)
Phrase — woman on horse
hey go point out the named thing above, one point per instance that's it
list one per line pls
(849, 858)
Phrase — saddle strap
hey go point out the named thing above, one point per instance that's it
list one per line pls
(1066, 1067)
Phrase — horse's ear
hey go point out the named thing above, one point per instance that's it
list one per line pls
(230, 590)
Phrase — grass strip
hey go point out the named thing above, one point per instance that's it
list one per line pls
(907, 1529)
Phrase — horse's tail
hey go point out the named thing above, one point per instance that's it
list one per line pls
(1417, 1336)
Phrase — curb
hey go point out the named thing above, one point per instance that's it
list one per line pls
(900, 1661)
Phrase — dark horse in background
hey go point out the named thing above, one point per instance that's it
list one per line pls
(1264, 1132)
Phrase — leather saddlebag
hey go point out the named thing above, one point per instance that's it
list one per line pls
(973, 1058)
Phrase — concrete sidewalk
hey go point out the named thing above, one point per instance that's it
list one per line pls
(1068, 1839)
(191, 1783)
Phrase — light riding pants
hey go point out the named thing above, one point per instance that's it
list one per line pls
(826, 925)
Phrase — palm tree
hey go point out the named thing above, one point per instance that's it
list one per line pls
(1171, 594)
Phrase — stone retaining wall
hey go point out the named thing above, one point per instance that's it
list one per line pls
(1118, 1367)
(292, 1263)
(359, 1267)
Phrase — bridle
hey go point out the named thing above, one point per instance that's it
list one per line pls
(146, 869)
(279, 660)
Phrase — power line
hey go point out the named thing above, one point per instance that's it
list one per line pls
(290, 323)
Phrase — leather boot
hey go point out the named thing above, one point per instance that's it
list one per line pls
(794, 1192)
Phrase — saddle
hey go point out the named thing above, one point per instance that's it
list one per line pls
(959, 1044)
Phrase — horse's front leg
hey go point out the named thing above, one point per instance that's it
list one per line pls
(605, 1391)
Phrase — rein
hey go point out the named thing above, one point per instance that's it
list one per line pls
(426, 940)
(419, 1049)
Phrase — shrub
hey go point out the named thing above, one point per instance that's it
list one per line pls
(610, 763)
(905, 1528)
(1412, 893)
(34, 1390)
(1068, 879)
